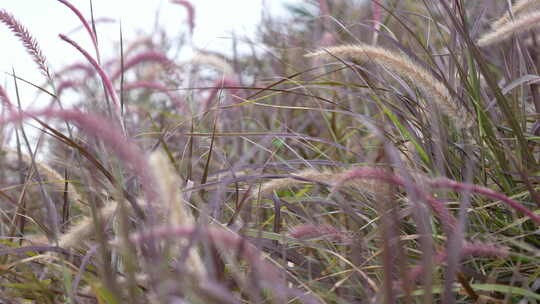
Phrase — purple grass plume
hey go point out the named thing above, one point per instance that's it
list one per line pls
(308, 231)
(29, 43)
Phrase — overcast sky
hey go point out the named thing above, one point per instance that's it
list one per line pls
(45, 19)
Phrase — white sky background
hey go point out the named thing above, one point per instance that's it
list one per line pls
(45, 19)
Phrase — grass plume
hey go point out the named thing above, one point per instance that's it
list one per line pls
(28, 41)
(519, 25)
(434, 90)
(519, 8)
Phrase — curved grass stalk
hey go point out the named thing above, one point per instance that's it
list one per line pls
(519, 25)
(403, 66)
(303, 176)
(446, 218)
(517, 9)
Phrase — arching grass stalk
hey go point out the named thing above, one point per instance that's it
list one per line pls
(190, 13)
(462, 187)
(104, 77)
(29, 43)
(85, 24)
(447, 220)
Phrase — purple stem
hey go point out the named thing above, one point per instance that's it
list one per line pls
(190, 12)
(140, 58)
(106, 132)
(84, 23)
(104, 77)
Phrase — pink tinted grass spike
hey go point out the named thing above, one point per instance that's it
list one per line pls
(456, 186)
(377, 18)
(446, 218)
(376, 11)
(104, 77)
(149, 56)
(101, 72)
(190, 12)
(483, 250)
(84, 23)
(102, 129)
(29, 43)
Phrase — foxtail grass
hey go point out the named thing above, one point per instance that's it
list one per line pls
(190, 13)
(85, 24)
(28, 41)
(502, 33)
(434, 90)
(148, 56)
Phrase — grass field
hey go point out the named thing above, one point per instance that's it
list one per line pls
(376, 151)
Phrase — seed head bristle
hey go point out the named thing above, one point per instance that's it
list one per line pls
(519, 25)
(403, 66)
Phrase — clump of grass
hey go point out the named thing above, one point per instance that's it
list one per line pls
(29, 43)
(267, 178)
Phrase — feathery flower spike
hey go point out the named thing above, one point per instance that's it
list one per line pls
(29, 43)
(517, 9)
(402, 65)
(519, 25)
